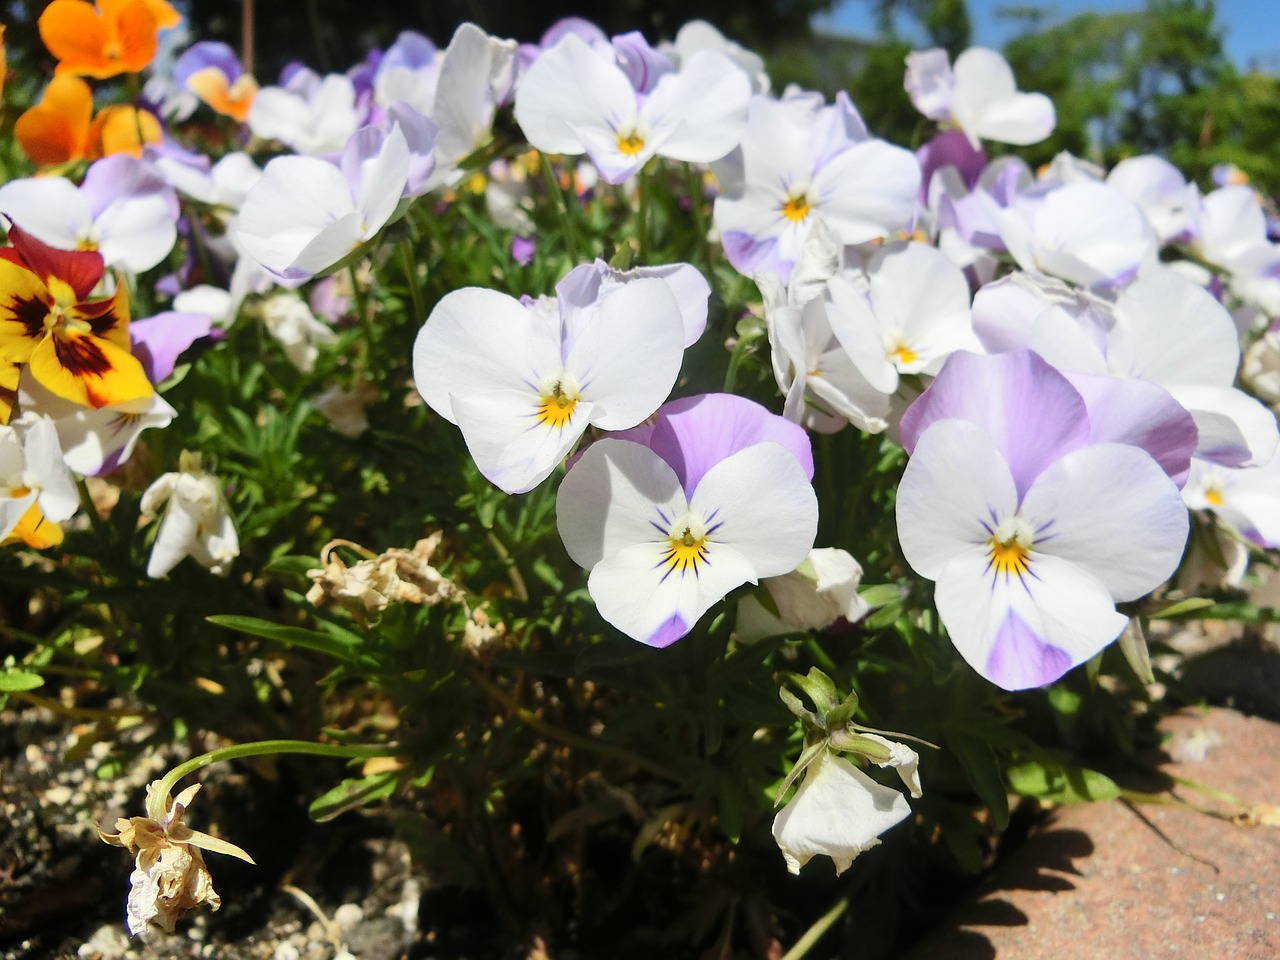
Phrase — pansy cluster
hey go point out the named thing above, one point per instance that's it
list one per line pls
(1075, 363)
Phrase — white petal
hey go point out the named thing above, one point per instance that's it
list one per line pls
(648, 601)
(627, 352)
(1027, 631)
(298, 200)
(136, 233)
(868, 191)
(956, 489)
(571, 88)
(1235, 429)
(512, 447)
(1171, 331)
(478, 341)
(837, 812)
(704, 105)
(765, 506)
(611, 497)
(1111, 510)
(382, 183)
(49, 208)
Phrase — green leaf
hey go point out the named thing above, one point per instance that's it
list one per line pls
(353, 793)
(1060, 783)
(881, 594)
(1133, 644)
(979, 763)
(14, 681)
(1182, 608)
(340, 645)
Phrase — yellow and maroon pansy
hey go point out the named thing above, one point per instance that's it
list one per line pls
(77, 348)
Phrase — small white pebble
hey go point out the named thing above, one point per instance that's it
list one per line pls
(286, 951)
(348, 915)
(58, 796)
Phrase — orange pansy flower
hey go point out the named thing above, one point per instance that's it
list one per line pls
(56, 130)
(121, 128)
(77, 348)
(231, 100)
(107, 38)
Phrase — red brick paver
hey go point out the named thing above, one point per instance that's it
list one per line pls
(1136, 883)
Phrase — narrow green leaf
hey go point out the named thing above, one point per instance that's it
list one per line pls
(353, 793)
(341, 647)
(979, 763)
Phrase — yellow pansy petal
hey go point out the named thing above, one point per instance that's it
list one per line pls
(35, 531)
(88, 371)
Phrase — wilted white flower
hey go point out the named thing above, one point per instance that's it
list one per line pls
(169, 877)
(837, 812)
(288, 318)
(197, 523)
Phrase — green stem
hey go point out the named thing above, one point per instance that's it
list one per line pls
(513, 572)
(410, 265)
(534, 722)
(360, 295)
(260, 748)
(643, 213)
(96, 523)
(815, 932)
(735, 361)
(694, 183)
(563, 208)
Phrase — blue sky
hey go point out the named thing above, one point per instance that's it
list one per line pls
(1252, 27)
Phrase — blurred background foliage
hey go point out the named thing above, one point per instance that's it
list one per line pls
(1153, 79)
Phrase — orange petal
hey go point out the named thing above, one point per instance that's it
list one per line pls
(88, 371)
(137, 34)
(163, 14)
(122, 129)
(210, 85)
(35, 531)
(4, 62)
(55, 129)
(75, 33)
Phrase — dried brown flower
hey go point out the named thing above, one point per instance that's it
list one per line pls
(169, 877)
(395, 575)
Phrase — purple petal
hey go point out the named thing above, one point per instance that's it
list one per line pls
(205, 54)
(411, 50)
(1140, 414)
(523, 249)
(750, 256)
(952, 149)
(160, 340)
(671, 631)
(643, 65)
(578, 26)
(696, 433)
(1020, 659)
(120, 175)
(1029, 408)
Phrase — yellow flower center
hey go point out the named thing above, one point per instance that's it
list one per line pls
(1010, 547)
(902, 355)
(1213, 496)
(629, 144)
(686, 550)
(796, 207)
(557, 405)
